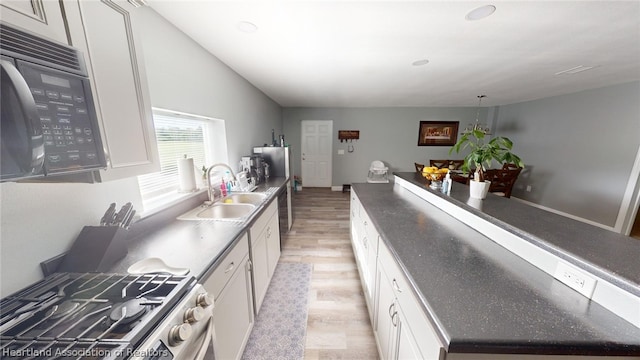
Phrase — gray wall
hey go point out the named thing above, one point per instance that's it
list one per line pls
(578, 148)
(386, 134)
(185, 77)
(39, 221)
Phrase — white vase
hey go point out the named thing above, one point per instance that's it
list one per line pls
(479, 190)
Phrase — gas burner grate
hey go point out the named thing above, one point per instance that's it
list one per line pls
(72, 309)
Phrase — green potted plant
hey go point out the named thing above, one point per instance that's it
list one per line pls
(483, 153)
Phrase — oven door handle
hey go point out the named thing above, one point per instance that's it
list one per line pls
(207, 340)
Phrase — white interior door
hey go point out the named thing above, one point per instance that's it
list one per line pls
(316, 152)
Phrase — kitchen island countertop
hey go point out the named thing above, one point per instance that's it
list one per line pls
(482, 297)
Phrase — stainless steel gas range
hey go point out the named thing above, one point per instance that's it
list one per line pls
(108, 316)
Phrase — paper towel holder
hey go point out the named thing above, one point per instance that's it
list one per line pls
(186, 175)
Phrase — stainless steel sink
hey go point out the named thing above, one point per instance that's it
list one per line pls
(219, 211)
(226, 211)
(244, 198)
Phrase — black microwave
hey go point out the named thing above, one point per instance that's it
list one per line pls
(49, 121)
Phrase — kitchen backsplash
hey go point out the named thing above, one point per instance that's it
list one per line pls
(39, 221)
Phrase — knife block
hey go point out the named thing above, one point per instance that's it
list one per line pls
(96, 249)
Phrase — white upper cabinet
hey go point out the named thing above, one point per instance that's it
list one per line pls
(43, 17)
(107, 34)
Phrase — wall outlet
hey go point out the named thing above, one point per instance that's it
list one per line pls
(528, 188)
(341, 152)
(575, 279)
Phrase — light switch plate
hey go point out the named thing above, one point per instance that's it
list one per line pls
(341, 152)
(575, 279)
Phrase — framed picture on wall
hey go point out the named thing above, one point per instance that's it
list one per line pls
(438, 133)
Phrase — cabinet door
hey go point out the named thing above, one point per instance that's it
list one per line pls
(260, 264)
(233, 315)
(407, 348)
(272, 233)
(354, 211)
(43, 17)
(265, 251)
(387, 317)
(106, 31)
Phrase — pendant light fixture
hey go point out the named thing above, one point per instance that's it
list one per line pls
(477, 125)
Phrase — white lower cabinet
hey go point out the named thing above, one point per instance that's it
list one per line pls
(233, 315)
(265, 251)
(364, 239)
(400, 325)
(385, 329)
(407, 347)
(402, 330)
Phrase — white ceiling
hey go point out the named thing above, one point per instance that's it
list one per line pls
(360, 53)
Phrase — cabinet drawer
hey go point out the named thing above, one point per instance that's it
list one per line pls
(391, 268)
(399, 284)
(262, 221)
(367, 225)
(227, 267)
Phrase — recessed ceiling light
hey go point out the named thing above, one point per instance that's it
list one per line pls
(480, 13)
(247, 27)
(420, 62)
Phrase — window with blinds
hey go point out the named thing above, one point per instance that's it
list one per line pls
(177, 135)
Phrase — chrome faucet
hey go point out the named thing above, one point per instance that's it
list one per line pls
(211, 191)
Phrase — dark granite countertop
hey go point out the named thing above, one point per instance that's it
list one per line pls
(612, 256)
(196, 245)
(481, 297)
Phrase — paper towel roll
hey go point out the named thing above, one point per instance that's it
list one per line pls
(186, 175)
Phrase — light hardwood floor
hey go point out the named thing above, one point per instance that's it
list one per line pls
(338, 325)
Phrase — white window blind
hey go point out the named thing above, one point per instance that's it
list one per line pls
(176, 136)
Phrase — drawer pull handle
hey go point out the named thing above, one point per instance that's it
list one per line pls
(366, 243)
(396, 286)
(230, 267)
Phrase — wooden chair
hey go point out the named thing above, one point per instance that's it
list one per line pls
(502, 180)
(447, 164)
(439, 163)
(457, 164)
(462, 178)
(419, 168)
(508, 166)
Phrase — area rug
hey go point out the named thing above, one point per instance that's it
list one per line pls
(281, 326)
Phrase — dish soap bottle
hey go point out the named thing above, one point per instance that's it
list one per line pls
(227, 181)
(223, 188)
(446, 184)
